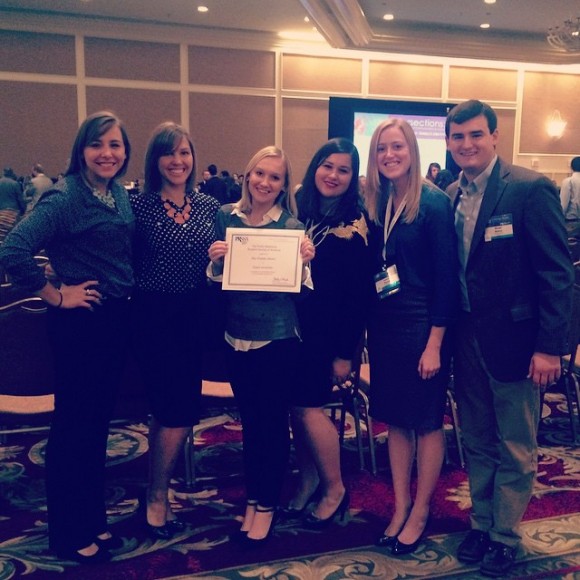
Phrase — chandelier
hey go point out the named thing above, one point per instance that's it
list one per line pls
(565, 37)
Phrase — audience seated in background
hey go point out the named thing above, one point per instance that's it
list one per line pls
(12, 204)
(39, 183)
(444, 179)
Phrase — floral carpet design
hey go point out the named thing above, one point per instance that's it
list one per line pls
(213, 508)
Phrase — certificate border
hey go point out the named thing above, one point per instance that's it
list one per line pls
(263, 232)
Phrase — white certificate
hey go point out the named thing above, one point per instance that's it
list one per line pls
(263, 259)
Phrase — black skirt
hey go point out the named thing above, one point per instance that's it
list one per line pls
(398, 331)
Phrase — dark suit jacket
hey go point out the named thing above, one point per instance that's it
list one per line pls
(520, 287)
(216, 187)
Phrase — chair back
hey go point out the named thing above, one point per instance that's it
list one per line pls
(25, 356)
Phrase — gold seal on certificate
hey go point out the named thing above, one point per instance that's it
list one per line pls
(262, 259)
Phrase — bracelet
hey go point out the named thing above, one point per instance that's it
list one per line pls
(60, 301)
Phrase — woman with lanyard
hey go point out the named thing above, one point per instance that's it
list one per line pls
(85, 224)
(416, 283)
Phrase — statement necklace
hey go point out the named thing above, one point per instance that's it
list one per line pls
(106, 198)
(179, 214)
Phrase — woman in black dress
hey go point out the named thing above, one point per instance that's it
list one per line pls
(331, 319)
(416, 277)
(175, 227)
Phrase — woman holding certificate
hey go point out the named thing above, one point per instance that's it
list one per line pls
(332, 319)
(416, 279)
(175, 228)
(262, 331)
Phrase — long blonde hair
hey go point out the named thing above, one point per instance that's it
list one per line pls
(376, 183)
(286, 198)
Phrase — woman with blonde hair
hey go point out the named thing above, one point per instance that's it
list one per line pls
(263, 332)
(416, 279)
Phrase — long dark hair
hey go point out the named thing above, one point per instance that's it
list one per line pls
(90, 130)
(350, 205)
(166, 137)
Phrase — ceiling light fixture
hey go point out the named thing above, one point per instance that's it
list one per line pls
(202, 9)
(555, 125)
(489, 1)
(389, 17)
(485, 25)
(566, 37)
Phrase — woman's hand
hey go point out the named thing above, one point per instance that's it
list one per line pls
(217, 251)
(80, 295)
(430, 362)
(307, 250)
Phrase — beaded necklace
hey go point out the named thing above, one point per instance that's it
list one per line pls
(106, 198)
(179, 214)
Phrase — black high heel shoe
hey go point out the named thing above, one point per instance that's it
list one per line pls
(252, 543)
(314, 522)
(385, 541)
(400, 549)
(164, 532)
(240, 535)
(293, 513)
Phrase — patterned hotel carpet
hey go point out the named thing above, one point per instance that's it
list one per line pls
(551, 547)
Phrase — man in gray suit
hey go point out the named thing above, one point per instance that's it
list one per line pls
(516, 278)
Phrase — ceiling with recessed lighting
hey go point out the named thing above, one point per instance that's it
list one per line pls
(517, 28)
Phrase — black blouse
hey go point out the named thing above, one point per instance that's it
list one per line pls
(172, 257)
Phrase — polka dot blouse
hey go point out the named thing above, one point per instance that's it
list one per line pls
(172, 257)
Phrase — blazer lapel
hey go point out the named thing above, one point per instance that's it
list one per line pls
(493, 192)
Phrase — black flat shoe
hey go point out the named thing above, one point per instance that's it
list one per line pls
(164, 532)
(112, 543)
(176, 524)
(102, 555)
(314, 522)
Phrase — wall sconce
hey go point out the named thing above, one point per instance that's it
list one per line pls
(555, 125)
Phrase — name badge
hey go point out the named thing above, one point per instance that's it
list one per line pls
(499, 227)
(387, 282)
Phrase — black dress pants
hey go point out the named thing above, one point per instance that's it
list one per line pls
(90, 351)
(262, 380)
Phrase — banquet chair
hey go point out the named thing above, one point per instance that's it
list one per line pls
(352, 397)
(570, 376)
(451, 408)
(216, 389)
(27, 378)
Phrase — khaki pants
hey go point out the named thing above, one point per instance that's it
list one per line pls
(499, 423)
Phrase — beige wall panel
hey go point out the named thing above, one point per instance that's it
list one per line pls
(404, 79)
(483, 84)
(141, 111)
(506, 124)
(39, 123)
(311, 73)
(305, 129)
(128, 59)
(28, 52)
(543, 93)
(229, 67)
(228, 129)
